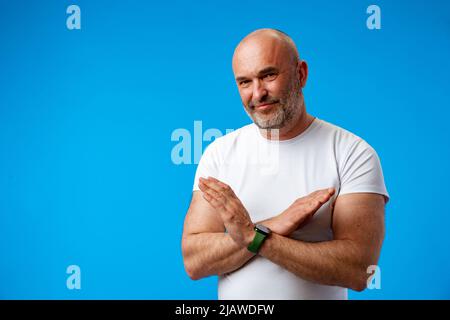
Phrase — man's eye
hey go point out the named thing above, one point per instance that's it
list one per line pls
(270, 76)
(244, 83)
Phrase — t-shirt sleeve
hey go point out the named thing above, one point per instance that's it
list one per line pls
(361, 171)
(208, 165)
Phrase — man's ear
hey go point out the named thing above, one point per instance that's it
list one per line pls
(302, 69)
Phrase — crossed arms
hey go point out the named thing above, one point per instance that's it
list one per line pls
(358, 228)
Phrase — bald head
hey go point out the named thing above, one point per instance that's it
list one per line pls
(268, 40)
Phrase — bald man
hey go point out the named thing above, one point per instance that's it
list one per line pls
(289, 206)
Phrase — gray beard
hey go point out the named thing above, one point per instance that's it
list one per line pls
(279, 119)
(287, 110)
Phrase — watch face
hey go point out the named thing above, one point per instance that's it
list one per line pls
(263, 229)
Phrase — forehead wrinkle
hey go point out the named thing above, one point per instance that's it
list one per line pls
(260, 72)
(251, 60)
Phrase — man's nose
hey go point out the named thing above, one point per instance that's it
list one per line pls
(259, 91)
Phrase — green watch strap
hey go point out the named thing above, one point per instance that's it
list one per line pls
(257, 241)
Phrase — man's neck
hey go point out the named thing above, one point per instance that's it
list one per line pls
(287, 133)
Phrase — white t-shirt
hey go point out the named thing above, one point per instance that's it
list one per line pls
(268, 176)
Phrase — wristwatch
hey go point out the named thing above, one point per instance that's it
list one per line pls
(261, 233)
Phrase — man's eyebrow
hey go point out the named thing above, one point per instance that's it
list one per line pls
(262, 72)
(239, 79)
(267, 71)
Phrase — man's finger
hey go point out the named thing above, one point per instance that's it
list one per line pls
(315, 193)
(323, 197)
(324, 194)
(214, 185)
(211, 192)
(220, 183)
(206, 196)
(219, 196)
(224, 187)
(216, 204)
(202, 185)
(211, 200)
(205, 185)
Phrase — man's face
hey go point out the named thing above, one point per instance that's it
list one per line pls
(266, 76)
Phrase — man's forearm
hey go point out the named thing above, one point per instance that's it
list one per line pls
(215, 253)
(336, 262)
(212, 254)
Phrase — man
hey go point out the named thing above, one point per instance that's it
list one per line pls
(318, 203)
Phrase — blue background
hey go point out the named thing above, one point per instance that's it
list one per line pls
(86, 118)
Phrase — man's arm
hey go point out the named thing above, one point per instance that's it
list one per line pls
(358, 227)
(207, 249)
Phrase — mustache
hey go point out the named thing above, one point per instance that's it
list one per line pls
(267, 100)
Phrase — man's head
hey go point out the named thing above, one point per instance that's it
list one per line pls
(270, 76)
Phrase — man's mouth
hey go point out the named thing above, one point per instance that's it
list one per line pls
(265, 106)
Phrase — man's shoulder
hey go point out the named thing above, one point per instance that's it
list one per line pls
(347, 145)
(340, 135)
(337, 130)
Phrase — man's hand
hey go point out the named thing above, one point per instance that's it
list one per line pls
(299, 212)
(237, 220)
(233, 213)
